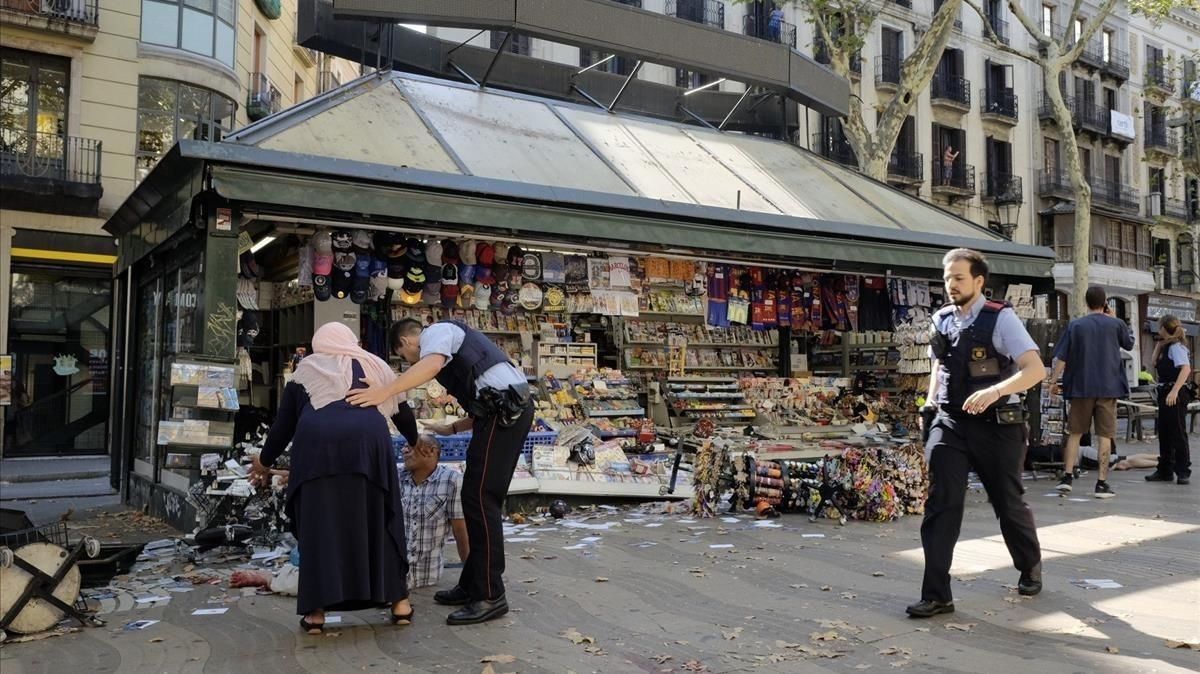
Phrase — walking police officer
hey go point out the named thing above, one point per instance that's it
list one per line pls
(497, 399)
(982, 358)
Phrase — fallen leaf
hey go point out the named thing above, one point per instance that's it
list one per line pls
(595, 650)
(826, 588)
(1013, 600)
(1112, 649)
(895, 650)
(848, 595)
(661, 659)
(532, 593)
(962, 627)
(730, 636)
(157, 640)
(862, 666)
(798, 586)
(878, 574)
(694, 666)
(529, 580)
(831, 635)
(785, 644)
(576, 638)
(601, 579)
(1171, 643)
(502, 659)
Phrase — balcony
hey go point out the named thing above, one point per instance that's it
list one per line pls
(951, 92)
(1091, 117)
(906, 168)
(263, 99)
(957, 181)
(1055, 184)
(1114, 195)
(1003, 188)
(907, 4)
(1160, 140)
(78, 19)
(1157, 79)
(999, 27)
(1159, 206)
(328, 81)
(708, 12)
(1046, 107)
(831, 147)
(887, 72)
(1116, 65)
(1092, 55)
(1189, 93)
(49, 173)
(821, 55)
(999, 105)
(764, 29)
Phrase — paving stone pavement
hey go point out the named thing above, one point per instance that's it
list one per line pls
(671, 599)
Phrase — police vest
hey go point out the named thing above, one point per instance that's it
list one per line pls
(971, 362)
(476, 355)
(1165, 368)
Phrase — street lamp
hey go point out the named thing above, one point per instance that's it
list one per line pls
(1008, 212)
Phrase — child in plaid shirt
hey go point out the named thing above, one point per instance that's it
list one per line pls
(431, 495)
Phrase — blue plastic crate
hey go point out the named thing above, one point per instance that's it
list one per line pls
(454, 447)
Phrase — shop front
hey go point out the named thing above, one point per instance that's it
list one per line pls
(1153, 307)
(646, 275)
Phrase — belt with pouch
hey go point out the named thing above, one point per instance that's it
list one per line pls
(506, 405)
(1007, 414)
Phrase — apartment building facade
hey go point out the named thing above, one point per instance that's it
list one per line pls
(92, 93)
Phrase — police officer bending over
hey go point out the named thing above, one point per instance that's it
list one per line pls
(982, 356)
(496, 396)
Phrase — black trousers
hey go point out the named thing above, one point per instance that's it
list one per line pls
(491, 459)
(1174, 455)
(957, 444)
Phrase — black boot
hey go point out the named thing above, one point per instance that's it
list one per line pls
(478, 612)
(927, 608)
(1158, 477)
(1031, 582)
(455, 596)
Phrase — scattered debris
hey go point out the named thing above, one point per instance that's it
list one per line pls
(1192, 645)
(575, 637)
(730, 636)
(601, 579)
(961, 627)
(1112, 649)
(502, 659)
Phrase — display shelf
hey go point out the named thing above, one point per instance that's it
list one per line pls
(874, 347)
(612, 489)
(634, 412)
(683, 396)
(523, 485)
(866, 368)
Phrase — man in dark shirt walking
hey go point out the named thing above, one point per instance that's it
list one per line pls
(1088, 359)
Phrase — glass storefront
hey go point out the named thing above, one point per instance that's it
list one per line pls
(60, 338)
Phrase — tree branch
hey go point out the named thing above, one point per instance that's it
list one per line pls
(1070, 23)
(996, 41)
(1089, 29)
(1031, 26)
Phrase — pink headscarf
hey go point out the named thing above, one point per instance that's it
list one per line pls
(328, 373)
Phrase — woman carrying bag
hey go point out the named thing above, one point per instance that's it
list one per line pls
(1172, 363)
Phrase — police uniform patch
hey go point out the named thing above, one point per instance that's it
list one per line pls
(978, 353)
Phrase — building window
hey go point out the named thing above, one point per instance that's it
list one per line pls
(34, 89)
(169, 111)
(1078, 29)
(519, 44)
(1106, 42)
(1047, 20)
(205, 27)
(297, 90)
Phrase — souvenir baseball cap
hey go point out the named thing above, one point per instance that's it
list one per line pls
(379, 279)
(322, 241)
(383, 243)
(416, 249)
(466, 272)
(413, 285)
(449, 285)
(432, 295)
(484, 275)
(516, 257)
(362, 278)
(483, 297)
(321, 289)
(467, 251)
(247, 329)
(433, 252)
(466, 295)
(322, 268)
(500, 253)
(499, 292)
(342, 239)
(485, 254)
(450, 251)
(342, 282)
(361, 241)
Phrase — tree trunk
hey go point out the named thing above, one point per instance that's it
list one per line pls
(874, 150)
(1082, 253)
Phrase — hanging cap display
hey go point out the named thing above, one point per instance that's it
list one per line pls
(342, 282)
(379, 279)
(466, 296)
(322, 242)
(449, 251)
(467, 251)
(466, 272)
(485, 254)
(450, 287)
(483, 297)
(433, 252)
(342, 239)
(500, 253)
(362, 241)
(432, 295)
(362, 279)
(321, 289)
(416, 249)
(516, 257)
(484, 275)
(383, 243)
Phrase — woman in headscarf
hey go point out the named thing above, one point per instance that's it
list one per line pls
(343, 490)
(1174, 366)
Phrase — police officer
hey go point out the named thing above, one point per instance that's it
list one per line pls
(496, 396)
(982, 357)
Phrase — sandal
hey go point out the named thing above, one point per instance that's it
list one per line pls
(405, 619)
(311, 628)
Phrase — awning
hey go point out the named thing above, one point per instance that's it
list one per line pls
(1190, 329)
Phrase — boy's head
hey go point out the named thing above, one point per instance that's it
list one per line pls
(424, 456)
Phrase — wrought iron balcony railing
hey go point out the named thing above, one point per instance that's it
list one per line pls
(1114, 195)
(999, 26)
(1000, 102)
(1117, 64)
(765, 29)
(1159, 138)
(1159, 206)
(956, 90)
(263, 98)
(831, 147)
(1003, 188)
(887, 70)
(709, 12)
(328, 81)
(906, 166)
(1157, 76)
(86, 12)
(959, 177)
(49, 156)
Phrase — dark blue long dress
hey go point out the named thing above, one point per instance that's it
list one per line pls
(343, 501)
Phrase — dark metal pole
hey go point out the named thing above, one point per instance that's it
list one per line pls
(496, 57)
